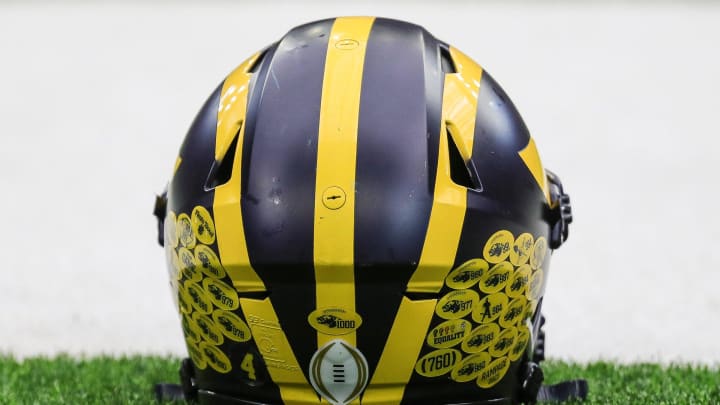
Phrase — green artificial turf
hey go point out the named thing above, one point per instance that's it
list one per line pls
(128, 380)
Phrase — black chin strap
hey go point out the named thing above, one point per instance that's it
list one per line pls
(564, 391)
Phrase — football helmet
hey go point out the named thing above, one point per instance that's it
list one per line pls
(358, 214)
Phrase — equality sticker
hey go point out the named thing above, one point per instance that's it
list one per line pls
(522, 249)
(231, 325)
(497, 248)
(518, 348)
(467, 274)
(221, 294)
(493, 373)
(504, 342)
(208, 329)
(538, 254)
(170, 223)
(185, 231)
(208, 262)
(489, 308)
(216, 358)
(448, 333)
(534, 290)
(513, 312)
(202, 225)
(437, 363)
(497, 278)
(470, 367)
(456, 304)
(519, 281)
(188, 266)
(196, 355)
(198, 299)
(481, 338)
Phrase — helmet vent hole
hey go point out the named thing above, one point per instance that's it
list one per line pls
(446, 62)
(221, 170)
(462, 171)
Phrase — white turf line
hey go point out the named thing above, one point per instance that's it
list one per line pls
(621, 99)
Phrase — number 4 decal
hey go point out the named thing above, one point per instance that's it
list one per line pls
(247, 366)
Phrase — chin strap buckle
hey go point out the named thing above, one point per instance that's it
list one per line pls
(561, 213)
(187, 390)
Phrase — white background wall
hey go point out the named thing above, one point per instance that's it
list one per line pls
(622, 99)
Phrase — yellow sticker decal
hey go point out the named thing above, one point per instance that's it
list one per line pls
(497, 248)
(470, 367)
(523, 337)
(467, 274)
(191, 330)
(170, 238)
(188, 266)
(173, 263)
(208, 262)
(198, 298)
(231, 325)
(493, 373)
(202, 225)
(216, 358)
(514, 312)
(522, 249)
(437, 363)
(490, 307)
(184, 300)
(519, 281)
(208, 330)
(221, 294)
(534, 290)
(196, 355)
(448, 333)
(185, 231)
(504, 342)
(334, 321)
(497, 278)
(481, 338)
(456, 304)
(538, 254)
(530, 309)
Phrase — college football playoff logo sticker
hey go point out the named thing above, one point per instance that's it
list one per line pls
(338, 372)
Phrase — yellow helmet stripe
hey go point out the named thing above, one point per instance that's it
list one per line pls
(459, 109)
(277, 353)
(401, 350)
(531, 158)
(228, 218)
(336, 157)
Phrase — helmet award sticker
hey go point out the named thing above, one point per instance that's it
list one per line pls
(467, 274)
(519, 281)
(231, 326)
(521, 250)
(497, 248)
(448, 333)
(221, 294)
(470, 367)
(504, 342)
(538, 254)
(493, 373)
(170, 239)
(489, 308)
(334, 321)
(481, 338)
(215, 358)
(185, 231)
(338, 372)
(208, 262)
(497, 278)
(202, 225)
(188, 266)
(437, 363)
(456, 304)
